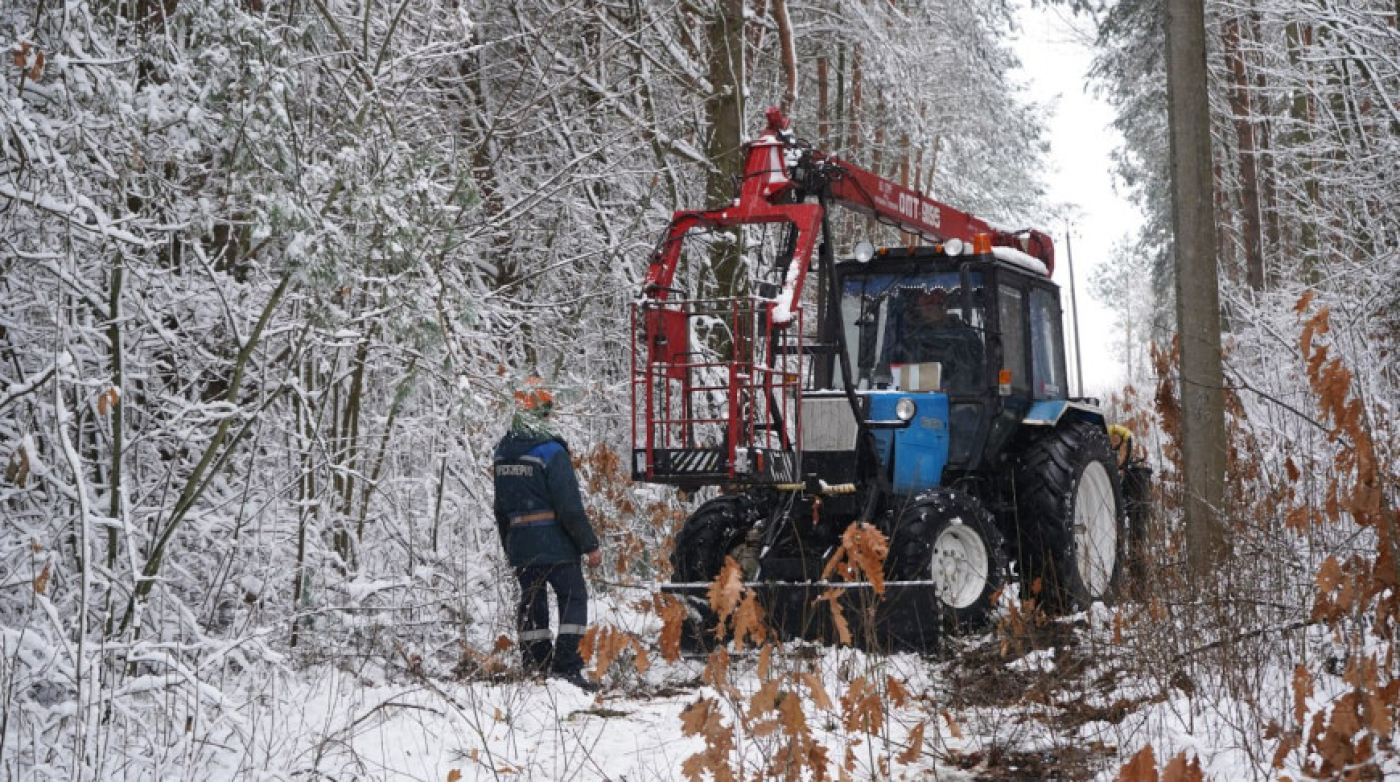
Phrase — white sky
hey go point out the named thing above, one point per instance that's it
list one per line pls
(1056, 59)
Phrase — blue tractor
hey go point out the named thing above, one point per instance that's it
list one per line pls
(920, 390)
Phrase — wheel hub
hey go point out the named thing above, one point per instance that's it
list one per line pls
(1095, 529)
(959, 567)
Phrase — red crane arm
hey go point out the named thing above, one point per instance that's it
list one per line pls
(765, 197)
(913, 212)
(762, 199)
(909, 210)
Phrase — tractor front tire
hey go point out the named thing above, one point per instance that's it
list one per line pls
(948, 538)
(1072, 528)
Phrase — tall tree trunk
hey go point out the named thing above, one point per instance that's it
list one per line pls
(1267, 171)
(877, 163)
(1224, 247)
(853, 139)
(785, 39)
(348, 455)
(1197, 286)
(118, 413)
(840, 96)
(853, 135)
(479, 128)
(1303, 117)
(1251, 218)
(724, 110)
(636, 22)
(400, 394)
(910, 240)
(932, 164)
(306, 487)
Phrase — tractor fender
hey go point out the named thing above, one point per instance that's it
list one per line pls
(1051, 412)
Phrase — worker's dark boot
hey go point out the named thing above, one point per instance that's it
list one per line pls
(579, 680)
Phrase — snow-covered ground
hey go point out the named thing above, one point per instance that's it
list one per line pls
(1072, 699)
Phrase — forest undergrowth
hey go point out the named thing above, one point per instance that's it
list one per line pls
(1280, 666)
(271, 270)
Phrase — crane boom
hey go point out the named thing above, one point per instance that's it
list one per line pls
(773, 191)
(913, 212)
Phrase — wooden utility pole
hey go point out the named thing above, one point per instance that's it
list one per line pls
(1203, 445)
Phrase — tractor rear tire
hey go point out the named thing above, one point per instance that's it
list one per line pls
(950, 539)
(712, 532)
(1072, 525)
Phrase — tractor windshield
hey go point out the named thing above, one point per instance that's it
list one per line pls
(893, 321)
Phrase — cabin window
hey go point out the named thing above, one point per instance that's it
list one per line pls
(1047, 351)
(1012, 312)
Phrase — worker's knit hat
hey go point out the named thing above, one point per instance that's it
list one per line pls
(533, 404)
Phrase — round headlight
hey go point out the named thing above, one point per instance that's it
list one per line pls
(953, 247)
(905, 409)
(864, 251)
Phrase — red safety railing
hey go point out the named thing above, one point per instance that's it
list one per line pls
(716, 392)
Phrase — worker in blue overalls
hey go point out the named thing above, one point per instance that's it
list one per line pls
(545, 531)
